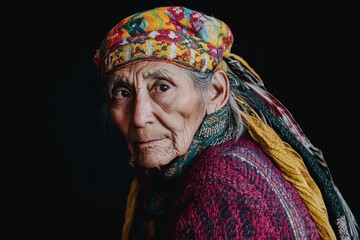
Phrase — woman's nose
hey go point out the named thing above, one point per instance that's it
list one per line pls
(142, 111)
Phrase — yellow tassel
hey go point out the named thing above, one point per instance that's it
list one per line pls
(130, 208)
(294, 170)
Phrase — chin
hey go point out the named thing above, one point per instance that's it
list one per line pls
(153, 163)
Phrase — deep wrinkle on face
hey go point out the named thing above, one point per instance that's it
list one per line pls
(157, 109)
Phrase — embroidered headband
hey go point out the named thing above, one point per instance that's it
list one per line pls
(173, 34)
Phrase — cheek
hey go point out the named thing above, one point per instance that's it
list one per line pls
(119, 119)
(191, 115)
(193, 111)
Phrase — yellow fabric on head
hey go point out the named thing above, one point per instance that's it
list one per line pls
(294, 170)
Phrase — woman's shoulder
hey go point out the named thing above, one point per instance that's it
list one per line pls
(242, 167)
(241, 174)
(232, 160)
(244, 149)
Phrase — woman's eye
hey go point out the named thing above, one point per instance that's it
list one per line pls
(122, 93)
(162, 88)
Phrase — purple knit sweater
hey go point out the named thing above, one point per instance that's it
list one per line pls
(234, 191)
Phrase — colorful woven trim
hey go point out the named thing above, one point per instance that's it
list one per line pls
(172, 34)
(213, 131)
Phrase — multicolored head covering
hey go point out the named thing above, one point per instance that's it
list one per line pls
(172, 34)
(203, 43)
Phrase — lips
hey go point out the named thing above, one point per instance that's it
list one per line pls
(143, 138)
(147, 143)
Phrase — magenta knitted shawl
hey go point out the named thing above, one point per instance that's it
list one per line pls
(234, 191)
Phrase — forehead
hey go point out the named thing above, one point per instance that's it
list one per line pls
(145, 70)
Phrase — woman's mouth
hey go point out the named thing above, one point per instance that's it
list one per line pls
(147, 143)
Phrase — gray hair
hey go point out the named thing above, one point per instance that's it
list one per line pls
(202, 82)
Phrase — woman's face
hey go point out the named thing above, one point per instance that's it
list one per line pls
(157, 109)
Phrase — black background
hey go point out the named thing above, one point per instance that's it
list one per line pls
(66, 175)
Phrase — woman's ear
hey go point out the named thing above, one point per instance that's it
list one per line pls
(219, 91)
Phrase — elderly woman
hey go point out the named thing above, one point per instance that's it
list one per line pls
(214, 155)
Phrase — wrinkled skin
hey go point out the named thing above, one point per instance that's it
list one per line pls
(158, 110)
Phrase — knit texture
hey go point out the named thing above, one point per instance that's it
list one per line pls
(234, 191)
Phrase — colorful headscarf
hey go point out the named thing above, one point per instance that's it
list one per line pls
(202, 43)
(178, 35)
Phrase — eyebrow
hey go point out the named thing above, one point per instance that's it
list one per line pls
(116, 81)
(158, 73)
